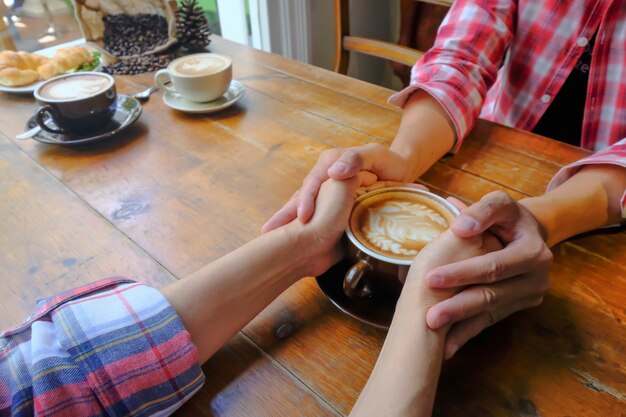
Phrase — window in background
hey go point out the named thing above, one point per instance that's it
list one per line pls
(230, 12)
(38, 24)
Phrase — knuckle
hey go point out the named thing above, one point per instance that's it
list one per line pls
(493, 271)
(545, 257)
(499, 197)
(353, 157)
(496, 201)
(489, 297)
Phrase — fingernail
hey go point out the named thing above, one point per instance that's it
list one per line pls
(443, 320)
(339, 168)
(465, 223)
(451, 351)
(435, 281)
(299, 212)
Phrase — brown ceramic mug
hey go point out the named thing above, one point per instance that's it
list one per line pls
(387, 229)
(78, 103)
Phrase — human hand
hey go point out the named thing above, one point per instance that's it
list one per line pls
(339, 164)
(321, 236)
(501, 282)
(447, 248)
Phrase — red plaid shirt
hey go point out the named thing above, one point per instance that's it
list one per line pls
(505, 60)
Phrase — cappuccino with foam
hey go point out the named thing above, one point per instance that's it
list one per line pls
(75, 88)
(200, 77)
(398, 224)
(198, 65)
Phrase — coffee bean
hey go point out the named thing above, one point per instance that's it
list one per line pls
(131, 36)
(139, 64)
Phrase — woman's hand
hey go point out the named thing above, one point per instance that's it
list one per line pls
(322, 235)
(339, 164)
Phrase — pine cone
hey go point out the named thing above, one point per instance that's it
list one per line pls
(192, 26)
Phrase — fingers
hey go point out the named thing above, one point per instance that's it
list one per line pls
(493, 208)
(308, 194)
(519, 257)
(481, 299)
(312, 183)
(373, 157)
(353, 160)
(465, 330)
(283, 216)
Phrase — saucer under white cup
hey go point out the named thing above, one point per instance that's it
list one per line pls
(235, 92)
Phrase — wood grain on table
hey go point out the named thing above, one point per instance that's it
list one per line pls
(187, 189)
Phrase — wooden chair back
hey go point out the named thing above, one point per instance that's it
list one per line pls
(345, 43)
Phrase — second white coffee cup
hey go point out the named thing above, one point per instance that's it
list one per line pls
(199, 77)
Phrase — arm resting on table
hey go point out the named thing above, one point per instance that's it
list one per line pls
(583, 196)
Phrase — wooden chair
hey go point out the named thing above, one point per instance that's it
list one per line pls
(345, 43)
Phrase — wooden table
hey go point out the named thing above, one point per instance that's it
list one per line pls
(177, 191)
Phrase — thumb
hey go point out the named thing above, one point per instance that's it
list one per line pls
(496, 207)
(354, 160)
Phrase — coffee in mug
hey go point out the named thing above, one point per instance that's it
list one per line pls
(387, 229)
(200, 77)
(200, 64)
(73, 88)
(77, 103)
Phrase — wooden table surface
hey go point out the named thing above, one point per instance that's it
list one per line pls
(177, 191)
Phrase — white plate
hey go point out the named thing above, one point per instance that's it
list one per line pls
(234, 93)
(48, 52)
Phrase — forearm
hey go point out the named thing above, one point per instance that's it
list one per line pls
(404, 380)
(221, 298)
(588, 200)
(426, 133)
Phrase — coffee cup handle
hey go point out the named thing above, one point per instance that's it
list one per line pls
(353, 278)
(161, 75)
(39, 118)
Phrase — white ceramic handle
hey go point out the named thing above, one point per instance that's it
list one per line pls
(161, 75)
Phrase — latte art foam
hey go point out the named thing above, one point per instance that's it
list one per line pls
(399, 224)
(72, 88)
(402, 227)
(202, 65)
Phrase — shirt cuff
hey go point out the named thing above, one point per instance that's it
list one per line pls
(131, 347)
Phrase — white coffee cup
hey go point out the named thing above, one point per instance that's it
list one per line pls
(198, 77)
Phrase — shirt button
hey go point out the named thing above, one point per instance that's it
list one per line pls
(582, 41)
(545, 98)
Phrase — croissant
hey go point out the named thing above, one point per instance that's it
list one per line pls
(19, 68)
(64, 60)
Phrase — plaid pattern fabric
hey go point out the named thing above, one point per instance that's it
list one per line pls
(505, 60)
(110, 348)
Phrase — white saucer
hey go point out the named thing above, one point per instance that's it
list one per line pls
(234, 93)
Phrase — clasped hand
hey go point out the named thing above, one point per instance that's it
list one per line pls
(497, 284)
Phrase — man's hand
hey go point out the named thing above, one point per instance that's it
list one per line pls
(339, 164)
(502, 282)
